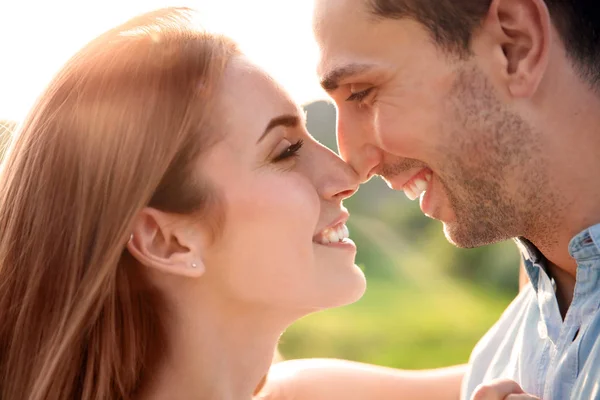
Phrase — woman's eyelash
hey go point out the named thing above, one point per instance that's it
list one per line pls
(359, 96)
(291, 151)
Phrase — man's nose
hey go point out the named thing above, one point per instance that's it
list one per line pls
(357, 148)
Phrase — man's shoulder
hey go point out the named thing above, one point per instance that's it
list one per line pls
(518, 312)
(493, 352)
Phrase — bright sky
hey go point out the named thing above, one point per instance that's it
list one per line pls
(38, 36)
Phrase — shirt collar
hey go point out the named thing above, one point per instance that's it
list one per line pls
(533, 260)
(582, 247)
(529, 251)
(586, 245)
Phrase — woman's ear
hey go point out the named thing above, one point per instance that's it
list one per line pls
(167, 243)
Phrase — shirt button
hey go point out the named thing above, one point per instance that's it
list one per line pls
(542, 330)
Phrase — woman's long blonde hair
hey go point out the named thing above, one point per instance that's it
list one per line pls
(119, 128)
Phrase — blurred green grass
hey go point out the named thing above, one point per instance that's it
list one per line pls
(398, 327)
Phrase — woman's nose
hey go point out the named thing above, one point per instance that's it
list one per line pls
(341, 180)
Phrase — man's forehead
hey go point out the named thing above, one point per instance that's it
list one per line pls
(342, 30)
(334, 8)
(339, 16)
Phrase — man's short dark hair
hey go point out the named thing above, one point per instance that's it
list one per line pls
(452, 22)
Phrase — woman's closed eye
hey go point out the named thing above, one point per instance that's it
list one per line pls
(290, 151)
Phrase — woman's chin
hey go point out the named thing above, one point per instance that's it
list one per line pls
(356, 288)
(346, 288)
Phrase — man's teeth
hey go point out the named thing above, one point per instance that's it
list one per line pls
(333, 235)
(416, 187)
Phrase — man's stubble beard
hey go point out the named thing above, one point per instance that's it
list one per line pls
(497, 184)
(490, 167)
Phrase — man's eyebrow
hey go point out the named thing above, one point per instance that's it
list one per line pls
(331, 80)
(287, 120)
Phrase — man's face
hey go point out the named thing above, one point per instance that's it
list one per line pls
(429, 123)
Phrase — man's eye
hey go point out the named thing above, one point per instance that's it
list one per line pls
(359, 96)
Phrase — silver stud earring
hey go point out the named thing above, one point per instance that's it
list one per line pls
(194, 265)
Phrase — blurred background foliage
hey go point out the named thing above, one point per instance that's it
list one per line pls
(427, 302)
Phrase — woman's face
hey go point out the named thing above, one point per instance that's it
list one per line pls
(284, 241)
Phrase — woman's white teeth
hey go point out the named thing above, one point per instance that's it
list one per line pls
(333, 235)
(416, 187)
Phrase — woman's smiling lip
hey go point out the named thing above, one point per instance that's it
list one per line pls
(334, 233)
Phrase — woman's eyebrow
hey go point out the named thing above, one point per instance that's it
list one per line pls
(287, 120)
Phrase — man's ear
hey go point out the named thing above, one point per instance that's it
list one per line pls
(167, 243)
(521, 31)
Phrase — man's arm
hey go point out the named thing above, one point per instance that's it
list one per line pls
(325, 379)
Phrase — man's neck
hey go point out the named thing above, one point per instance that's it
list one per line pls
(570, 157)
(561, 266)
(565, 287)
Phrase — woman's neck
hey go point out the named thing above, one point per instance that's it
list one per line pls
(213, 353)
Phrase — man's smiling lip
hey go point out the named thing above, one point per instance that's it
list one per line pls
(401, 181)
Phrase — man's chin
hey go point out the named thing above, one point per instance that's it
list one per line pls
(453, 237)
(468, 237)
